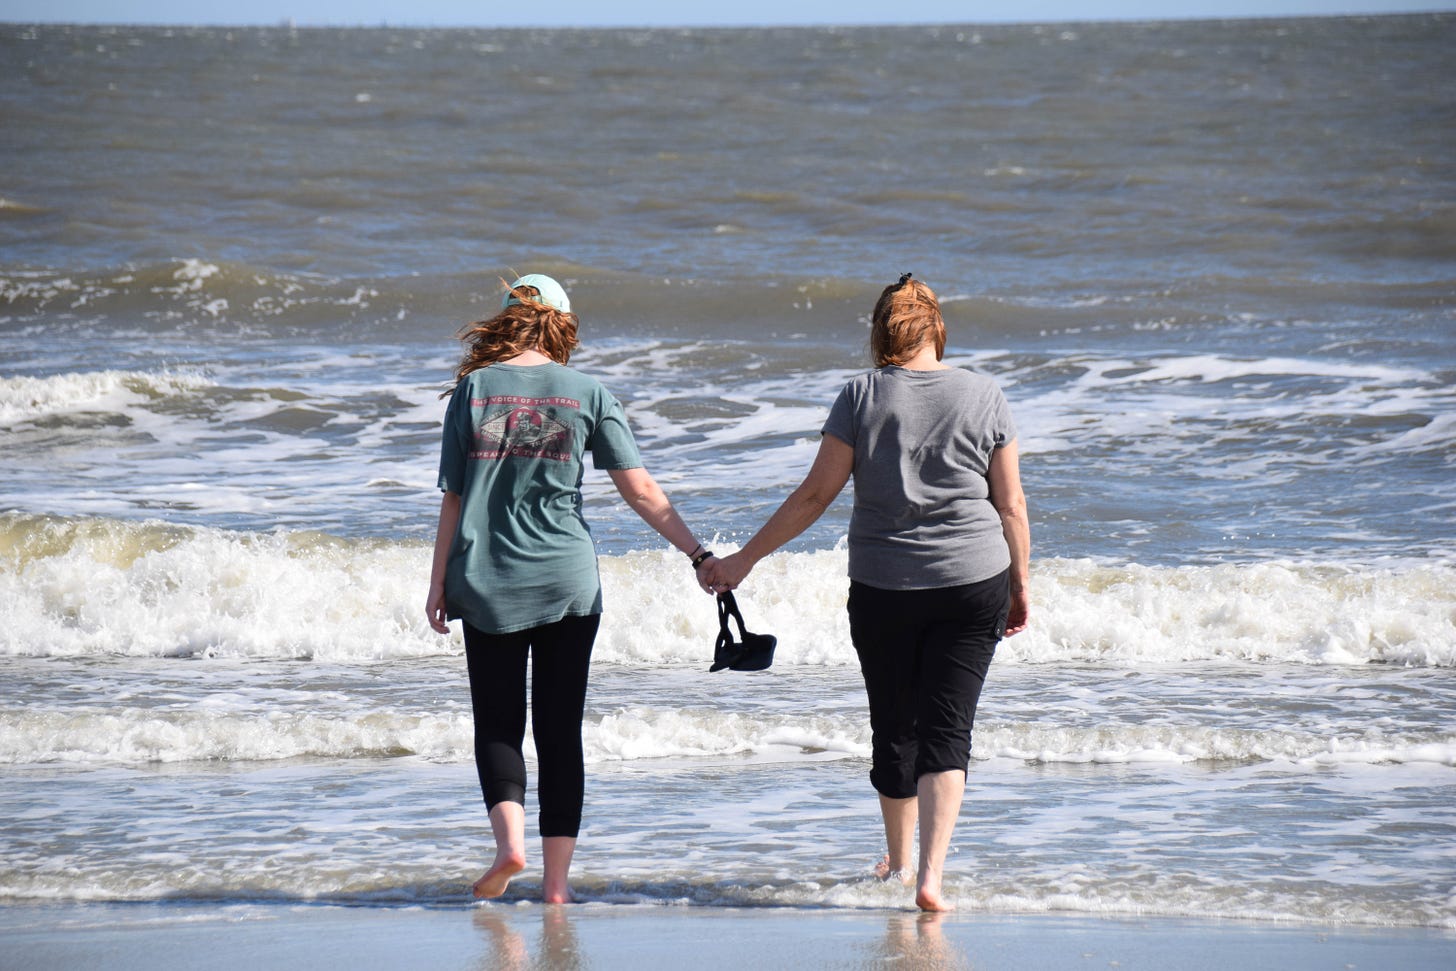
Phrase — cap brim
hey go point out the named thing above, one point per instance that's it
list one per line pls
(550, 292)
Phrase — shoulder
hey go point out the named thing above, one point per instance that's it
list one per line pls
(474, 381)
(464, 390)
(852, 397)
(588, 383)
(566, 375)
(977, 381)
(861, 383)
(589, 391)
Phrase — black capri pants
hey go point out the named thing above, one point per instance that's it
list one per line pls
(560, 656)
(924, 655)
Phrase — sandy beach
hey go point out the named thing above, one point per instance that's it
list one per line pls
(159, 936)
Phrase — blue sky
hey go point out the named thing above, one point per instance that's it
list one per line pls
(581, 13)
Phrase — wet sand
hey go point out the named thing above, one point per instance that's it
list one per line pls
(286, 935)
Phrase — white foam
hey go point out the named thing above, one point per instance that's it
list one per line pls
(146, 735)
(1209, 368)
(114, 587)
(148, 590)
(1437, 434)
(1180, 409)
(25, 398)
(247, 729)
(1130, 744)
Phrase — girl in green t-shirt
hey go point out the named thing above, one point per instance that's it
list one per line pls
(514, 559)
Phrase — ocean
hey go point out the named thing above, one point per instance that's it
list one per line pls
(1212, 265)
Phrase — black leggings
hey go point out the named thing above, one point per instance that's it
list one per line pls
(560, 657)
(924, 655)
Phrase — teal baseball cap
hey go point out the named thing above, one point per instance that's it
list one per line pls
(552, 293)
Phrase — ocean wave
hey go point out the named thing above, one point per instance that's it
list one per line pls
(429, 879)
(79, 586)
(221, 298)
(201, 733)
(14, 209)
(25, 398)
(75, 587)
(136, 736)
(1176, 744)
(191, 292)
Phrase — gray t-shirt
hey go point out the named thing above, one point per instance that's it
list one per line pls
(922, 447)
(513, 448)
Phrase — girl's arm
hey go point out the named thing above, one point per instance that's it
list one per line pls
(646, 498)
(444, 537)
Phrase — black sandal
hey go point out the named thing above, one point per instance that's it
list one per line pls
(754, 653)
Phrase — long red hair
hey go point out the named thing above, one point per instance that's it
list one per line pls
(529, 324)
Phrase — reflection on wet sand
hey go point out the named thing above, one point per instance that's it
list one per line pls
(916, 942)
(507, 950)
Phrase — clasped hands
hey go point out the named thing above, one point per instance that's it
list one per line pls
(721, 574)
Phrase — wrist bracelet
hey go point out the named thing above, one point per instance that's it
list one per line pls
(696, 550)
(698, 560)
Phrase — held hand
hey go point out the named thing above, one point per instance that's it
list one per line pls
(435, 609)
(726, 573)
(1020, 613)
(702, 572)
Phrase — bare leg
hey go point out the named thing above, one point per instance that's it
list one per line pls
(940, 795)
(556, 887)
(508, 823)
(899, 815)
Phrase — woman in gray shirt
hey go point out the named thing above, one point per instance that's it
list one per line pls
(939, 546)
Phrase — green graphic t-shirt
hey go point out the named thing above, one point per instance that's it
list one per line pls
(512, 449)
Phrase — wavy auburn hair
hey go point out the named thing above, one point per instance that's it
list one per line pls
(906, 316)
(528, 325)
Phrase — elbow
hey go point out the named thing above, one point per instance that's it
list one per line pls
(644, 499)
(811, 503)
(815, 500)
(1011, 507)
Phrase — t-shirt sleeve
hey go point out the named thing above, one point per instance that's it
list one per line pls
(841, 423)
(453, 440)
(1003, 429)
(611, 443)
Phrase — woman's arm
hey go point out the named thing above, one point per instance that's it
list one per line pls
(831, 470)
(444, 537)
(1004, 479)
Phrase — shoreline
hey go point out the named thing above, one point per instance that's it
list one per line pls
(160, 935)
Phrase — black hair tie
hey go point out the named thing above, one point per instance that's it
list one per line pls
(904, 279)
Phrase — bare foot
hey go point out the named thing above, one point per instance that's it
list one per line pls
(498, 877)
(930, 901)
(554, 896)
(883, 871)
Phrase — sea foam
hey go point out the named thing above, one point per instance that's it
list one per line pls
(113, 587)
(131, 735)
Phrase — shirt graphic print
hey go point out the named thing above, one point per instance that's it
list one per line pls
(512, 425)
